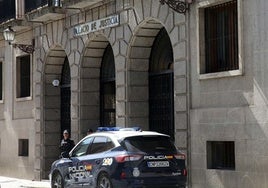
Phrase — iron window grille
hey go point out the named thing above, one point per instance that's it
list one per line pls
(161, 85)
(107, 88)
(221, 37)
(65, 92)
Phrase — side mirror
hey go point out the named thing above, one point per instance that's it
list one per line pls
(65, 155)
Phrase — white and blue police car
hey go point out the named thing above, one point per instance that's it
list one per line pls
(121, 158)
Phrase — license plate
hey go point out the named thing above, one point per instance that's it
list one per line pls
(153, 164)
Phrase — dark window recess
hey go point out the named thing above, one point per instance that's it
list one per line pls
(7, 10)
(221, 37)
(148, 144)
(65, 91)
(23, 76)
(221, 155)
(23, 147)
(1, 81)
(107, 88)
(161, 85)
(31, 5)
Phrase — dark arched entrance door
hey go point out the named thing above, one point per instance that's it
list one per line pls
(65, 96)
(107, 88)
(161, 100)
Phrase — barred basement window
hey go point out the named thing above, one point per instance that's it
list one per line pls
(221, 37)
(23, 76)
(23, 147)
(221, 155)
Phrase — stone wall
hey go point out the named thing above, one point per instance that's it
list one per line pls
(231, 107)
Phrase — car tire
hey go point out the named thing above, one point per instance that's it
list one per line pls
(57, 181)
(104, 181)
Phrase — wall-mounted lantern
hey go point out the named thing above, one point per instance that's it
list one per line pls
(9, 36)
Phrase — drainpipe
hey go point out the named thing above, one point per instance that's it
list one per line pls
(20, 9)
(188, 72)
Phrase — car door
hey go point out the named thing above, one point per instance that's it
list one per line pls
(100, 157)
(87, 160)
(80, 170)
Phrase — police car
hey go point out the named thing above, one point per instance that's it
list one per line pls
(121, 158)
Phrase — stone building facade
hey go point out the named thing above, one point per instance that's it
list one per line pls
(114, 59)
(229, 108)
(73, 41)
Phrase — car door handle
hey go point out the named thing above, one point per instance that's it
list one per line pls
(97, 161)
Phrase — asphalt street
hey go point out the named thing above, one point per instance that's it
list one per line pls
(7, 182)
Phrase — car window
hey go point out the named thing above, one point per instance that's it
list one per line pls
(101, 144)
(109, 144)
(82, 147)
(148, 144)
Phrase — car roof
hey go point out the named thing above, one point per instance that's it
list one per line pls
(123, 134)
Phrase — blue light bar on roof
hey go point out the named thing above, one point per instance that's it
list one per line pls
(101, 129)
(130, 129)
(108, 129)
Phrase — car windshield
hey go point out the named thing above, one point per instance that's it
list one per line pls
(148, 144)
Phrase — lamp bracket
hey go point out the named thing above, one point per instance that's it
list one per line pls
(29, 49)
(177, 5)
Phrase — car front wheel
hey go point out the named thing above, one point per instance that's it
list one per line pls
(57, 181)
(104, 181)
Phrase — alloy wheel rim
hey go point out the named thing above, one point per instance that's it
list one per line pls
(105, 183)
(57, 182)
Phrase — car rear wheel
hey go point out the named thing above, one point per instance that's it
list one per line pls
(104, 181)
(57, 181)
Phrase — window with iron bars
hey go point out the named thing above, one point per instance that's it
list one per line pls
(221, 37)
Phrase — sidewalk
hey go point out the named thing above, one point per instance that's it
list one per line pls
(7, 182)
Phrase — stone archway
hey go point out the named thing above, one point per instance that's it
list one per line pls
(90, 83)
(161, 85)
(138, 84)
(138, 65)
(52, 107)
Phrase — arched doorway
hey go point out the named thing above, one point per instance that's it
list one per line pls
(161, 89)
(107, 88)
(56, 104)
(65, 96)
(97, 85)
